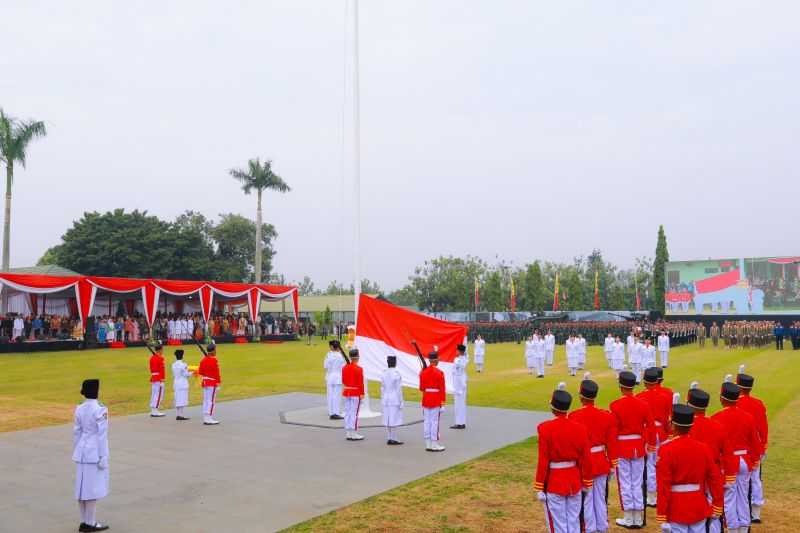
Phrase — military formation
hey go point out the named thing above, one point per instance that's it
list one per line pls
(701, 473)
(747, 333)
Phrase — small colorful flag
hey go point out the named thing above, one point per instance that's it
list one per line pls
(477, 294)
(596, 290)
(513, 297)
(555, 295)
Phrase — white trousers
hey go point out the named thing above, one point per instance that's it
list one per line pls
(562, 513)
(352, 404)
(156, 394)
(181, 397)
(616, 364)
(209, 400)
(334, 399)
(460, 407)
(652, 485)
(539, 362)
(430, 422)
(548, 355)
(737, 506)
(756, 486)
(629, 483)
(595, 507)
(392, 416)
(697, 527)
(17, 333)
(664, 358)
(636, 368)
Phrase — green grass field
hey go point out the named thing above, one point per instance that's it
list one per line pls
(490, 493)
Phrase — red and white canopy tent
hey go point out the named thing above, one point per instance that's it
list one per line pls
(80, 292)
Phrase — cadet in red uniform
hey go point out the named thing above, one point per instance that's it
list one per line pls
(564, 467)
(740, 429)
(712, 434)
(635, 428)
(431, 383)
(667, 392)
(686, 473)
(758, 411)
(601, 428)
(353, 392)
(157, 377)
(660, 408)
(210, 381)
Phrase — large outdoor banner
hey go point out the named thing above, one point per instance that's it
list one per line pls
(743, 286)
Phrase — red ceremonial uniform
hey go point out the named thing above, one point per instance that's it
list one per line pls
(686, 472)
(157, 372)
(352, 380)
(431, 383)
(660, 410)
(601, 429)
(633, 419)
(668, 394)
(209, 371)
(758, 411)
(712, 434)
(564, 465)
(740, 429)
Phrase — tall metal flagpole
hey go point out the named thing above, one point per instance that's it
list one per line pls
(365, 411)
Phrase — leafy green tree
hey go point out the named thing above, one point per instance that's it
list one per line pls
(572, 286)
(447, 283)
(659, 281)
(15, 136)
(405, 296)
(259, 177)
(533, 288)
(494, 297)
(306, 287)
(235, 239)
(193, 255)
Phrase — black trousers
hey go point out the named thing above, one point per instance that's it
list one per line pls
(779, 342)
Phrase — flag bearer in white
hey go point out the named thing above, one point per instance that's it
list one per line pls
(90, 455)
(549, 347)
(539, 354)
(480, 353)
(663, 348)
(529, 357)
(618, 356)
(180, 384)
(334, 361)
(635, 358)
(432, 385)
(608, 348)
(648, 355)
(392, 400)
(460, 388)
(572, 355)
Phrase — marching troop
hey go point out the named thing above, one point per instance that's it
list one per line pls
(701, 473)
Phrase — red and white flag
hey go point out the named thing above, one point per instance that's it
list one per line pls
(384, 329)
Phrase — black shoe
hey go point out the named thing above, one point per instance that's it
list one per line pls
(539, 376)
(458, 426)
(651, 505)
(96, 527)
(82, 527)
(337, 417)
(181, 418)
(391, 442)
(332, 417)
(755, 521)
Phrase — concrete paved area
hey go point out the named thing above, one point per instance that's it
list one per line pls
(318, 417)
(250, 473)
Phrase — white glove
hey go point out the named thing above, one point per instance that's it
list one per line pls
(541, 496)
(666, 527)
(103, 463)
(441, 409)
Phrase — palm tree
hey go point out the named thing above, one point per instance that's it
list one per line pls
(14, 138)
(260, 177)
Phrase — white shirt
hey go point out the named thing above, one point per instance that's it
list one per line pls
(649, 353)
(549, 341)
(19, 323)
(619, 351)
(635, 353)
(180, 373)
(538, 347)
(391, 388)
(334, 362)
(663, 343)
(608, 345)
(460, 374)
(480, 347)
(529, 349)
(90, 432)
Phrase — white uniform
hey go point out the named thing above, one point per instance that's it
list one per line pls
(539, 354)
(572, 356)
(529, 355)
(635, 359)
(391, 400)
(549, 348)
(111, 334)
(581, 352)
(171, 329)
(630, 348)
(460, 389)
(608, 348)
(617, 356)
(663, 349)
(334, 362)
(648, 356)
(480, 351)
(90, 450)
(180, 383)
(19, 328)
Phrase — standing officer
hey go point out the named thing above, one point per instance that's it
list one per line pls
(686, 474)
(90, 455)
(353, 381)
(392, 400)
(334, 361)
(758, 411)
(549, 347)
(564, 466)
(741, 431)
(714, 334)
(210, 382)
(634, 427)
(539, 354)
(778, 331)
(431, 383)
(460, 388)
(601, 428)
(480, 352)
(663, 348)
(618, 355)
(180, 384)
(660, 406)
(608, 348)
(571, 347)
(157, 377)
(530, 361)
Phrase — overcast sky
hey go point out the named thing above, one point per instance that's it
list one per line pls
(512, 128)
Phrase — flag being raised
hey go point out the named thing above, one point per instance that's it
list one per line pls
(385, 329)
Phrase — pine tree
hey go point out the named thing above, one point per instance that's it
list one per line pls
(659, 281)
